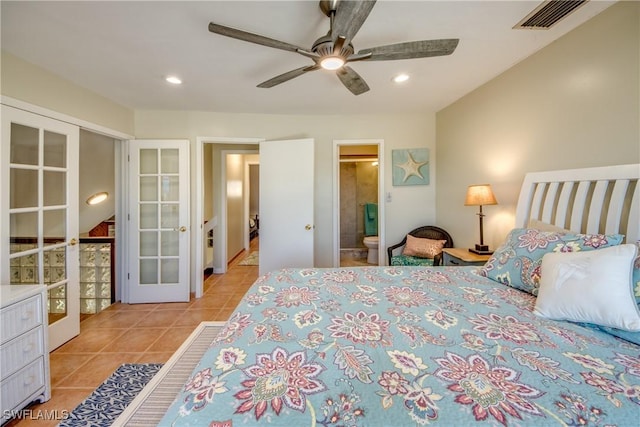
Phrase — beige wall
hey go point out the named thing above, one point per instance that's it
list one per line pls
(410, 206)
(29, 83)
(573, 104)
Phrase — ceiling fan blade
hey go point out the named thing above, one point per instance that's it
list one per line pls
(409, 50)
(252, 38)
(349, 17)
(288, 76)
(352, 80)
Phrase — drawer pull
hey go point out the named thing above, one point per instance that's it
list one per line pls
(27, 348)
(29, 380)
(27, 315)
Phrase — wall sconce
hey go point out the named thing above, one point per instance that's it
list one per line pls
(98, 198)
(478, 195)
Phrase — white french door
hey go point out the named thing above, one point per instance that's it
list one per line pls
(286, 204)
(39, 214)
(158, 221)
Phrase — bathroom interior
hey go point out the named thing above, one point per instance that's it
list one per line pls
(358, 205)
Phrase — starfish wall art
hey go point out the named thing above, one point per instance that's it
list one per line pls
(410, 167)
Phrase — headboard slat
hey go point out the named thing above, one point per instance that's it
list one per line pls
(616, 205)
(564, 204)
(596, 208)
(549, 206)
(579, 206)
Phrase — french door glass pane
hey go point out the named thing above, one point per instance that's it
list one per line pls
(148, 161)
(54, 226)
(24, 188)
(148, 271)
(169, 216)
(149, 243)
(170, 189)
(24, 144)
(148, 216)
(170, 272)
(24, 269)
(55, 149)
(169, 243)
(23, 224)
(55, 193)
(169, 158)
(57, 302)
(148, 188)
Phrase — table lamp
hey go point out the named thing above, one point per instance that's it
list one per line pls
(478, 195)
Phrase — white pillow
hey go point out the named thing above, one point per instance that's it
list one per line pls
(592, 287)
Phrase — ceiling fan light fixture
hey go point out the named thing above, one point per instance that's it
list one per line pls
(332, 62)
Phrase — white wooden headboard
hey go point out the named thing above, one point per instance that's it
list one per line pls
(591, 200)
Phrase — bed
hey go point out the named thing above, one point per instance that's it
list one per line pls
(406, 346)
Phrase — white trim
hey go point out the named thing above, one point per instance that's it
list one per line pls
(197, 240)
(336, 196)
(95, 128)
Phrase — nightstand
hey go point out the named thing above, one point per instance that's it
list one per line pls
(462, 256)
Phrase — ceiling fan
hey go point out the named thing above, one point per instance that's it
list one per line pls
(334, 50)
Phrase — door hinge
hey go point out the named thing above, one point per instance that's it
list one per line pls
(128, 217)
(128, 157)
(128, 276)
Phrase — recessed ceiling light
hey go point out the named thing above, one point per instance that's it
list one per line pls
(401, 78)
(174, 80)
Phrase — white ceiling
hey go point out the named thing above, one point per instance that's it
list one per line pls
(124, 49)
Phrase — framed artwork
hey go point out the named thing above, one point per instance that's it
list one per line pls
(410, 167)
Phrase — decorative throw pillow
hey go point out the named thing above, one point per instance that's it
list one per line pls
(592, 287)
(517, 262)
(422, 248)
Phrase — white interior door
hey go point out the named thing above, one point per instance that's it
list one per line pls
(286, 204)
(39, 215)
(158, 221)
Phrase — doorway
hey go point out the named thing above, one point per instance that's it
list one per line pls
(210, 249)
(358, 197)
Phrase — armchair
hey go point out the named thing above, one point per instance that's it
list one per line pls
(425, 232)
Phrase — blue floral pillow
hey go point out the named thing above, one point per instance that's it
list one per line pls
(517, 262)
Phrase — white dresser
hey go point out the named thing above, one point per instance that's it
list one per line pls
(24, 358)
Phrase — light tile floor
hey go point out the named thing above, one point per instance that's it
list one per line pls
(134, 333)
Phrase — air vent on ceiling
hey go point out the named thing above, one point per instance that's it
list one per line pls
(548, 14)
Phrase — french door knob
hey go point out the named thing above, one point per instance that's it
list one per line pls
(308, 227)
(183, 229)
(73, 242)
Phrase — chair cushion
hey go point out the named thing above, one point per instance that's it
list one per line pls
(411, 260)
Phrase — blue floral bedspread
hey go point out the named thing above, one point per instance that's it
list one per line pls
(405, 346)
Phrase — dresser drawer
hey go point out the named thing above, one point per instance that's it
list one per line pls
(22, 385)
(21, 351)
(20, 317)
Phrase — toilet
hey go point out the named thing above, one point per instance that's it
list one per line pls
(371, 242)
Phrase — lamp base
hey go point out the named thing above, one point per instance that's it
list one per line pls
(481, 250)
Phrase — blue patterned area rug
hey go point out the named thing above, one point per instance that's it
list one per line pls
(108, 401)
